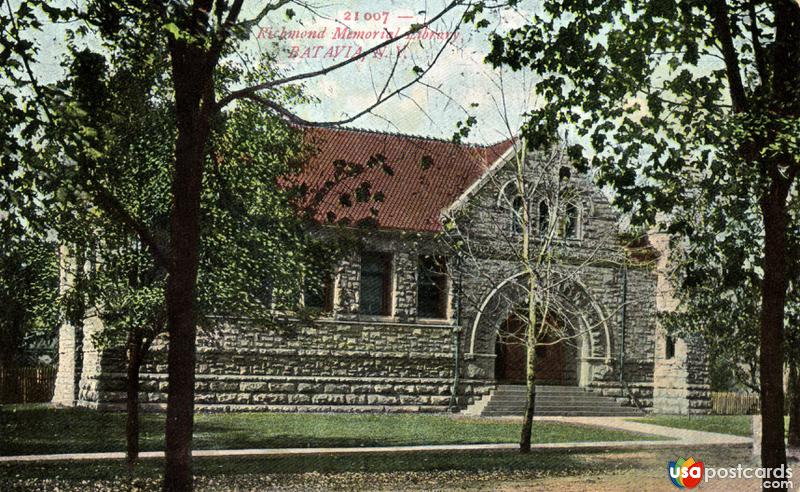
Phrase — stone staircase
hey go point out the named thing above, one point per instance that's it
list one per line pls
(559, 401)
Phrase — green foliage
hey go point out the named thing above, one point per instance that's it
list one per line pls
(687, 111)
(718, 268)
(644, 88)
(106, 170)
(28, 295)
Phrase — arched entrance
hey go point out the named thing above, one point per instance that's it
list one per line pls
(510, 363)
(585, 355)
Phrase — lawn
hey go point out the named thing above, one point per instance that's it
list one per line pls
(738, 425)
(40, 429)
(541, 470)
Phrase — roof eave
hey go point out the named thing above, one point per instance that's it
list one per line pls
(462, 200)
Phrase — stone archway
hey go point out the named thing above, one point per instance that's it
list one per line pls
(587, 353)
(552, 366)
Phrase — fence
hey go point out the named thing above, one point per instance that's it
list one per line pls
(27, 384)
(728, 403)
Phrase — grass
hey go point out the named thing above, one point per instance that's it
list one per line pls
(738, 425)
(40, 429)
(420, 471)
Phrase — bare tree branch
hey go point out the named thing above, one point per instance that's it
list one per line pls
(382, 97)
(247, 91)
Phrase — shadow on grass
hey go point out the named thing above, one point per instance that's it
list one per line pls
(372, 463)
(536, 464)
(39, 429)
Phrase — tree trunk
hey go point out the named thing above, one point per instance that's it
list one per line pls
(773, 301)
(132, 398)
(193, 83)
(794, 405)
(785, 104)
(181, 326)
(530, 379)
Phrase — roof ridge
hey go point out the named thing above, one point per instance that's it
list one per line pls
(408, 135)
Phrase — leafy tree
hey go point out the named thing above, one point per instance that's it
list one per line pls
(666, 91)
(247, 214)
(28, 294)
(718, 269)
(200, 39)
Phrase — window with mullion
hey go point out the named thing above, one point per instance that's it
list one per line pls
(544, 218)
(376, 284)
(516, 215)
(571, 221)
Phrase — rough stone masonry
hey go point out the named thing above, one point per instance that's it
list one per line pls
(425, 350)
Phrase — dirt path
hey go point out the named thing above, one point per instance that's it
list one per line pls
(628, 481)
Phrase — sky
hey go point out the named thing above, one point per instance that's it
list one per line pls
(457, 81)
(323, 32)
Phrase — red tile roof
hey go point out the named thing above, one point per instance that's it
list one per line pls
(411, 179)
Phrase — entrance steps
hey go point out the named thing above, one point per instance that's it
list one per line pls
(561, 401)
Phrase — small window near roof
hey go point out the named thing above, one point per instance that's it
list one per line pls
(376, 284)
(432, 288)
(571, 221)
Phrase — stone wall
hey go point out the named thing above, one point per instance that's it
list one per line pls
(69, 365)
(590, 266)
(680, 381)
(347, 361)
(640, 325)
(326, 365)
(70, 339)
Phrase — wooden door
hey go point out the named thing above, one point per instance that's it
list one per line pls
(512, 357)
(550, 364)
(511, 352)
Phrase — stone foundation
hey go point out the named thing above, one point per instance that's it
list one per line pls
(627, 394)
(242, 367)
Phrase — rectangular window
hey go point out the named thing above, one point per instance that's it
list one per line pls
(544, 218)
(318, 292)
(376, 284)
(432, 287)
(670, 347)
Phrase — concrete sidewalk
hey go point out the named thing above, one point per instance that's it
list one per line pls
(685, 436)
(677, 438)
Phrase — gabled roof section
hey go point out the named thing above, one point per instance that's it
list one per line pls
(507, 154)
(416, 177)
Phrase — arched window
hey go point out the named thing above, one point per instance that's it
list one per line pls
(510, 200)
(516, 215)
(571, 221)
(564, 174)
(544, 218)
